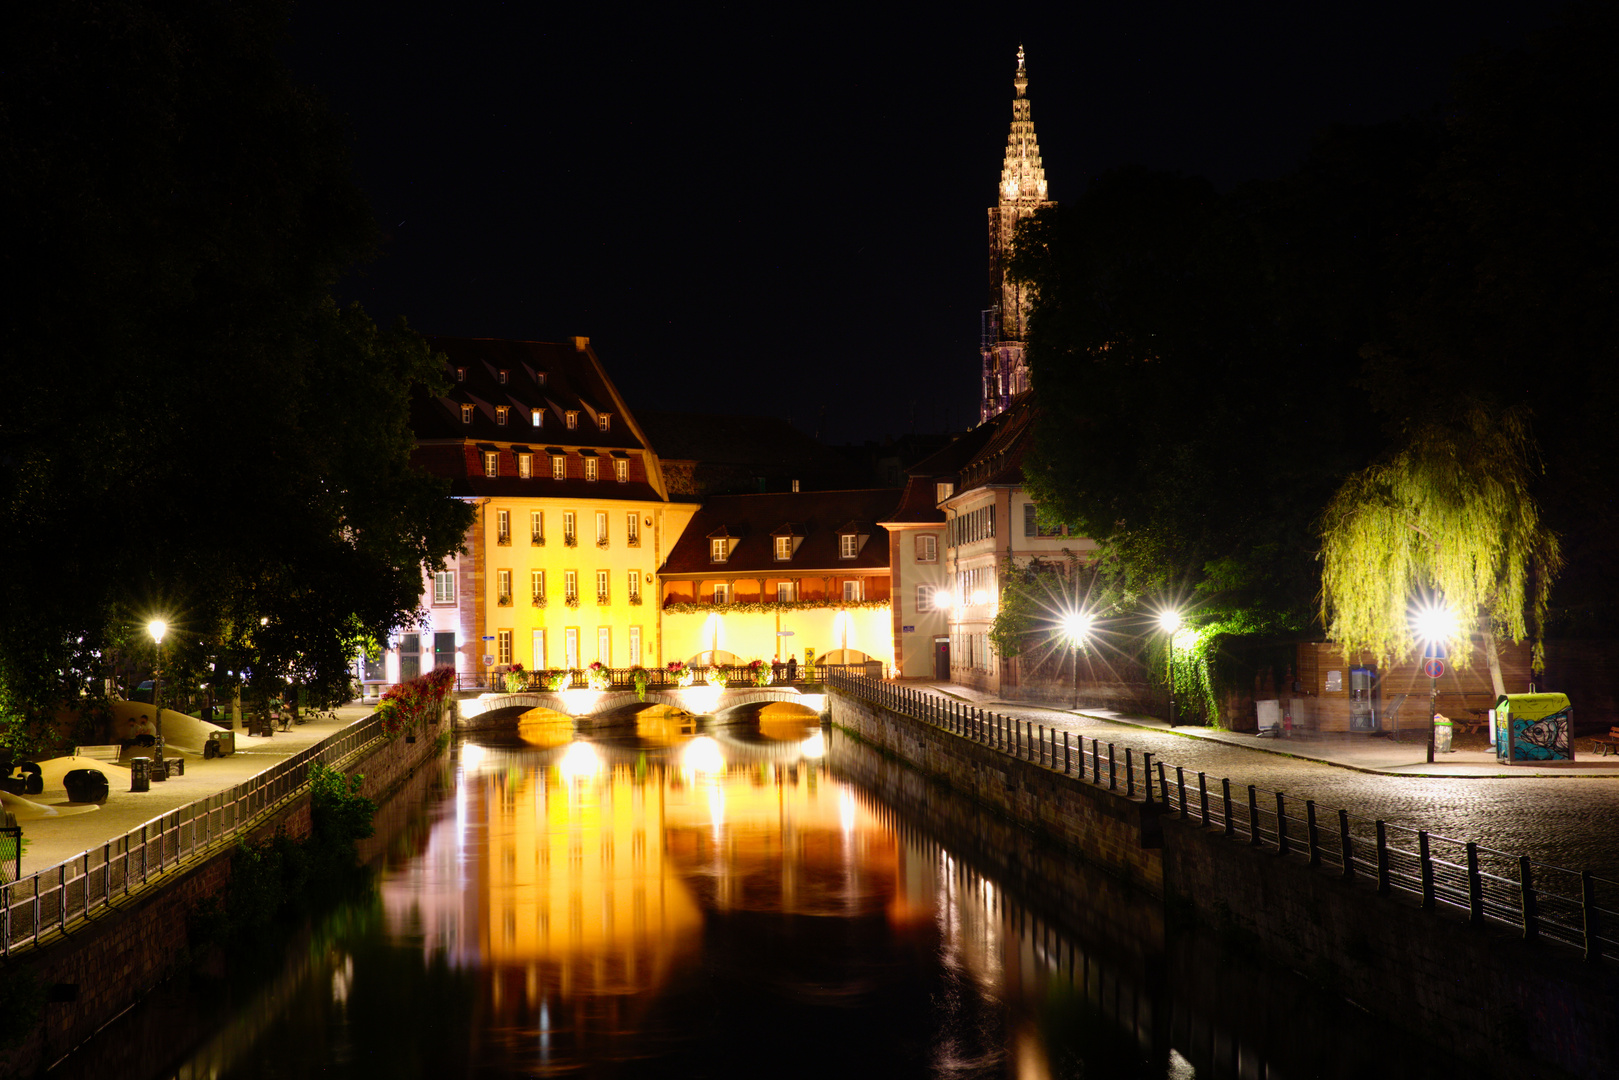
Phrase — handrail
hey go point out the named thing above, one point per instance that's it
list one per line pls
(60, 895)
(1488, 886)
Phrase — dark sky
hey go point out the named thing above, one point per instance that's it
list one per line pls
(779, 209)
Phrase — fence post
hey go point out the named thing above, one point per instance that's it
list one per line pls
(1112, 770)
(1253, 815)
(1526, 890)
(1180, 791)
(1281, 825)
(1203, 796)
(1163, 785)
(1344, 844)
(1311, 837)
(1382, 859)
(1427, 868)
(1096, 762)
(1588, 907)
(1067, 754)
(1146, 774)
(1475, 887)
(1130, 773)
(1225, 805)
(106, 873)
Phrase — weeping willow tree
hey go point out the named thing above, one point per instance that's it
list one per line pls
(1451, 513)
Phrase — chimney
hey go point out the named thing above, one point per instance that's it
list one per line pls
(579, 344)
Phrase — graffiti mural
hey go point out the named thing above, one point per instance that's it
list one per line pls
(1545, 739)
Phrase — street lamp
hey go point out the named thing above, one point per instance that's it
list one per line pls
(1076, 625)
(1435, 625)
(1170, 621)
(157, 628)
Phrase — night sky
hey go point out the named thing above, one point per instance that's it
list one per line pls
(780, 209)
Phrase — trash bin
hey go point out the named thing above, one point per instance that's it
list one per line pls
(86, 785)
(1443, 732)
(140, 774)
(224, 743)
(1533, 728)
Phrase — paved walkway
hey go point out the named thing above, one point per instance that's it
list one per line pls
(1557, 814)
(51, 840)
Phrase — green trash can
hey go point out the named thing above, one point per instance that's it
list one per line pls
(1532, 728)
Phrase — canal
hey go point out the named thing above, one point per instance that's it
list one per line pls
(763, 897)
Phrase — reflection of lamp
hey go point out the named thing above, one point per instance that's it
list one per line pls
(1435, 624)
(1170, 620)
(579, 762)
(157, 628)
(1076, 625)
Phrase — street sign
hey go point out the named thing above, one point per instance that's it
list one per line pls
(784, 633)
(908, 630)
(1433, 668)
(1435, 650)
(487, 660)
(489, 637)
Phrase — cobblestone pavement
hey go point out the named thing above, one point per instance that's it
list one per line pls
(1566, 821)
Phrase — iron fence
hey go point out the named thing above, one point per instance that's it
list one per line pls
(60, 895)
(1486, 886)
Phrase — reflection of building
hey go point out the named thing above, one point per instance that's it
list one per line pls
(573, 516)
(1005, 323)
(781, 575)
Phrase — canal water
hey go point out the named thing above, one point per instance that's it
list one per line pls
(762, 898)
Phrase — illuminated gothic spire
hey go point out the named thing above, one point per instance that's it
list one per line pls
(1023, 179)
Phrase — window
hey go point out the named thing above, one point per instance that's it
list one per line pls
(635, 587)
(786, 591)
(466, 414)
(621, 470)
(570, 586)
(503, 526)
(539, 377)
(590, 468)
(1033, 526)
(635, 646)
(444, 587)
(601, 528)
(500, 376)
(536, 526)
(784, 548)
(502, 414)
(460, 374)
(604, 646)
(848, 545)
(632, 527)
(722, 593)
(539, 650)
(572, 417)
(571, 652)
(559, 467)
(852, 590)
(536, 586)
(943, 490)
(927, 547)
(503, 647)
(718, 549)
(491, 463)
(604, 421)
(536, 418)
(603, 586)
(503, 586)
(570, 534)
(525, 465)
(924, 598)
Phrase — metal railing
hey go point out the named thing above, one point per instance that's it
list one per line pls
(1487, 886)
(59, 895)
(735, 676)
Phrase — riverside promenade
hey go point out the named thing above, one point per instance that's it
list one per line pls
(1556, 813)
(77, 828)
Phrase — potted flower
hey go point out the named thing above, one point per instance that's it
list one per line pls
(597, 677)
(641, 676)
(558, 681)
(759, 672)
(516, 679)
(682, 675)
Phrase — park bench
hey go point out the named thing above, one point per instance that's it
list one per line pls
(108, 752)
(1610, 745)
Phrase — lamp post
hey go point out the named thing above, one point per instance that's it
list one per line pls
(1435, 625)
(157, 628)
(1170, 620)
(1077, 626)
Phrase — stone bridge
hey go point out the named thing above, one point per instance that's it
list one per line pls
(479, 710)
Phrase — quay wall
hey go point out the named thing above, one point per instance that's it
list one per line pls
(1505, 1006)
(102, 965)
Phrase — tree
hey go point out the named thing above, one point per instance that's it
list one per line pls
(193, 427)
(1450, 514)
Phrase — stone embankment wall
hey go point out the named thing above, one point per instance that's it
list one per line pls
(101, 966)
(1506, 1007)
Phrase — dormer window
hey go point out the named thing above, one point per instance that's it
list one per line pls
(573, 419)
(491, 463)
(536, 417)
(460, 374)
(784, 548)
(848, 545)
(590, 468)
(943, 490)
(525, 465)
(466, 414)
(539, 377)
(604, 421)
(559, 467)
(501, 376)
(502, 414)
(621, 470)
(719, 549)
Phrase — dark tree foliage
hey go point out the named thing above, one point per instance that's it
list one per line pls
(192, 427)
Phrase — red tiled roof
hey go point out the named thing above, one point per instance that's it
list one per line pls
(818, 516)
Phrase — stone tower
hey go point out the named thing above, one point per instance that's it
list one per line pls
(1023, 191)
